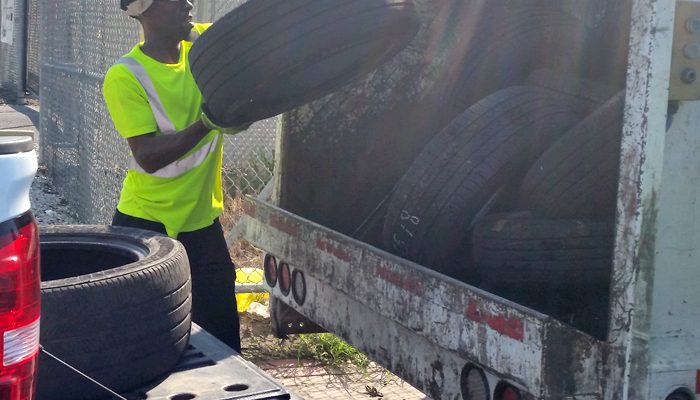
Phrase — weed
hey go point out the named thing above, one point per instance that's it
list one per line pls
(330, 350)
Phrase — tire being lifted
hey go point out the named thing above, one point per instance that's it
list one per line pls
(268, 56)
(116, 305)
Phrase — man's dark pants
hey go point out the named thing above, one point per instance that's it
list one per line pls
(213, 277)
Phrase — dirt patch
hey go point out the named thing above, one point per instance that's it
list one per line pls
(260, 345)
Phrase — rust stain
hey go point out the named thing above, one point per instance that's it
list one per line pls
(410, 284)
(331, 248)
(630, 185)
(283, 225)
(501, 323)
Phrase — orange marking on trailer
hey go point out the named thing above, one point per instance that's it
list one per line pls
(283, 225)
(410, 284)
(331, 248)
(501, 323)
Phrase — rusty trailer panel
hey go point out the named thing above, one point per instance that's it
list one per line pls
(384, 305)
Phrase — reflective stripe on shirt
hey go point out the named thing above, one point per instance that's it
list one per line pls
(166, 127)
(164, 124)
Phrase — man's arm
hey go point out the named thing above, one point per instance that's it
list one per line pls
(155, 152)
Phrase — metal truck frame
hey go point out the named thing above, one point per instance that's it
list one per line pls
(435, 331)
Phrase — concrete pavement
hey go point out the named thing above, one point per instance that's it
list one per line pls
(313, 381)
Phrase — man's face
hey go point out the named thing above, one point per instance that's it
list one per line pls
(172, 17)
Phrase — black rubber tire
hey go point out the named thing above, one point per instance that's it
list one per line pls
(116, 305)
(519, 249)
(559, 267)
(268, 56)
(456, 176)
(514, 39)
(577, 177)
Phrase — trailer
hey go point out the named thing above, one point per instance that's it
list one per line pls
(421, 313)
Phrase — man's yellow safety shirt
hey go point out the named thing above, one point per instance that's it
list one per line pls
(186, 195)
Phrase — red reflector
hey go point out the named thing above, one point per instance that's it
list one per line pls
(697, 382)
(270, 268)
(285, 278)
(507, 392)
(19, 278)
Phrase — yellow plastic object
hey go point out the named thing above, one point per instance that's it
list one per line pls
(249, 275)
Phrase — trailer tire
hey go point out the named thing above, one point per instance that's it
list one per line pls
(116, 305)
(267, 56)
(460, 171)
(577, 176)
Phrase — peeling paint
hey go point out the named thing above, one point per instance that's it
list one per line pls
(333, 249)
(500, 322)
(397, 279)
(281, 223)
(435, 385)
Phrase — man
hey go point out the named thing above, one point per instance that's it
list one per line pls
(173, 183)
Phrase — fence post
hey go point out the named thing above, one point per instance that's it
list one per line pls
(12, 49)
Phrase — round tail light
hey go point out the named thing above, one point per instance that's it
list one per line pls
(270, 269)
(506, 391)
(285, 278)
(474, 384)
(298, 287)
(680, 394)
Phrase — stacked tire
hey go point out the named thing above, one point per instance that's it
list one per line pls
(517, 195)
(468, 168)
(116, 306)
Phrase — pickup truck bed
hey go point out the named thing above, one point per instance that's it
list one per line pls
(210, 370)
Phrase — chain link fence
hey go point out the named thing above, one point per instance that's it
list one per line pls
(86, 158)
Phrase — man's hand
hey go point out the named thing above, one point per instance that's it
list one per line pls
(209, 122)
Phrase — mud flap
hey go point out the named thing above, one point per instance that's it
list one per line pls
(287, 321)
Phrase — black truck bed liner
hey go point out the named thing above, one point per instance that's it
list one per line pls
(210, 370)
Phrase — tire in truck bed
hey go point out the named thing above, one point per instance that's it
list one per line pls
(116, 305)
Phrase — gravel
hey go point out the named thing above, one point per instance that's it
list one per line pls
(48, 206)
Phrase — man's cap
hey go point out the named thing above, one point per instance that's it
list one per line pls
(125, 3)
(134, 8)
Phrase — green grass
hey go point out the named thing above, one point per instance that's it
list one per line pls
(330, 350)
(259, 345)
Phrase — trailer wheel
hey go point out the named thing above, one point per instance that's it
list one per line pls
(577, 176)
(461, 170)
(560, 267)
(268, 56)
(115, 304)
